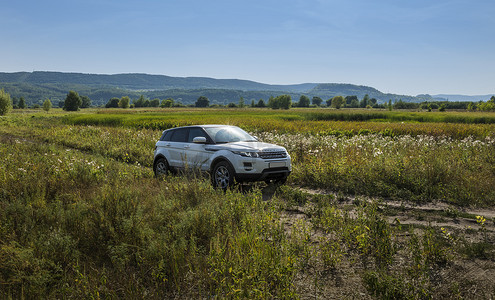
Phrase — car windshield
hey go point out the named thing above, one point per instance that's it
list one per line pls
(229, 134)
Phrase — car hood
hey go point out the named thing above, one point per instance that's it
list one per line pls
(246, 146)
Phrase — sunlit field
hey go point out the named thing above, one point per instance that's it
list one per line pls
(380, 204)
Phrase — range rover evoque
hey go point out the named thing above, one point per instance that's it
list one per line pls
(227, 153)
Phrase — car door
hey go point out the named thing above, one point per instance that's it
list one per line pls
(197, 157)
(178, 147)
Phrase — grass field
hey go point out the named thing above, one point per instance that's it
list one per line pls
(380, 204)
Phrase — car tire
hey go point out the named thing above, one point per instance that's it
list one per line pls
(222, 176)
(161, 167)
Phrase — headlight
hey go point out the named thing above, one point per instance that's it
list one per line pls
(246, 153)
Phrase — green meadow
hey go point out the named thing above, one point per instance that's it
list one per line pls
(380, 204)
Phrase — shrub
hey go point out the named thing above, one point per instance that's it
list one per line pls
(47, 105)
(124, 102)
(5, 102)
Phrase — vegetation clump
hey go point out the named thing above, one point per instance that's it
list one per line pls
(5, 103)
(82, 216)
(72, 101)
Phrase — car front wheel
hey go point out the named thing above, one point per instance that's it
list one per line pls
(223, 175)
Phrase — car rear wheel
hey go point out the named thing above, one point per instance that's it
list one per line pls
(223, 175)
(161, 167)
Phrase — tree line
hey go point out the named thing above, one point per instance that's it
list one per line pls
(73, 102)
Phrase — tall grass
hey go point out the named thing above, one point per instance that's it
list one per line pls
(77, 225)
(325, 122)
(400, 116)
(422, 168)
(81, 215)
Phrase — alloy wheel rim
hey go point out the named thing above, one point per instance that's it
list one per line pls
(222, 177)
(161, 168)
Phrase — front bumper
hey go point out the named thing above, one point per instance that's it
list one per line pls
(257, 169)
(267, 174)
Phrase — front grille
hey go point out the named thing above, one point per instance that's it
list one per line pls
(272, 155)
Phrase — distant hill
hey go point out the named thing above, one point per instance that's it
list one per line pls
(475, 98)
(328, 90)
(146, 81)
(39, 85)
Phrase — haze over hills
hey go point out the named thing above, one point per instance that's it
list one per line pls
(39, 85)
(137, 81)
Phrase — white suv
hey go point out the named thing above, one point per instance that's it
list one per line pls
(228, 153)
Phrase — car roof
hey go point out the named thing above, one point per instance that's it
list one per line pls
(202, 126)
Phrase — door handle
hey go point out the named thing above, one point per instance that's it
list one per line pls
(186, 147)
(167, 145)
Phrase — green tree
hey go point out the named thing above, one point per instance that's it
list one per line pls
(317, 101)
(141, 102)
(124, 102)
(261, 103)
(351, 101)
(169, 102)
(303, 101)
(15, 101)
(86, 102)
(471, 106)
(47, 105)
(155, 102)
(241, 102)
(22, 103)
(285, 101)
(488, 105)
(365, 101)
(354, 103)
(399, 104)
(390, 107)
(113, 103)
(337, 102)
(72, 101)
(272, 103)
(252, 103)
(5, 102)
(282, 101)
(202, 102)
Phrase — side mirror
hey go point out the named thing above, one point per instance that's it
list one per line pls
(199, 140)
(256, 138)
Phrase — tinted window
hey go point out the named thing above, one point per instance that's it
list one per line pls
(194, 132)
(180, 135)
(167, 135)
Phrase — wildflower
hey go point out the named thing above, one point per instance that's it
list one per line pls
(480, 220)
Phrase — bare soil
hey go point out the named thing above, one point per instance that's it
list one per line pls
(462, 277)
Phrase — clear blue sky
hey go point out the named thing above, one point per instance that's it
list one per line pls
(405, 47)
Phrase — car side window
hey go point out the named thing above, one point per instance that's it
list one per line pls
(195, 132)
(180, 135)
(167, 135)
